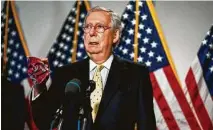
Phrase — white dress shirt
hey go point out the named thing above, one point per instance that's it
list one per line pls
(104, 71)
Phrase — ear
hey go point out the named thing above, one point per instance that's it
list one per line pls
(116, 36)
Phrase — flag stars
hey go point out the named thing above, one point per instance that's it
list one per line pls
(78, 33)
(149, 31)
(132, 55)
(154, 44)
(204, 42)
(159, 58)
(143, 50)
(10, 72)
(71, 30)
(61, 64)
(58, 54)
(64, 35)
(15, 54)
(208, 55)
(125, 15)
(17, 45)
(137, 12)
(10, 21)
(11, 42)
(133, 22)
(125, 51)
(19, 66)
(80, 24)
(140, 59)
(144, 17)
(65, 47)
(61, 45)
(73, 20)
(68, 39)
(12, 62)
(211, 69)
(141, 26)
(211, 46)
(122, 25)
(55, 63)
(52, 50)
(140, 4)
(70, 18)
(63, 57)
(79, 54)
(145, 40)
(24, 69)
(81, 45)
(151, 54)
(131, 31)
(120, 48)
(69, 60)
(17, 75)
(148, 63)
(8, 50)
(128, 41)
(67, 27)
(21, 57)
(129, 7)
(139, 35)
(82, 15)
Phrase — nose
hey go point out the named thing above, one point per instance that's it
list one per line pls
(92, 32)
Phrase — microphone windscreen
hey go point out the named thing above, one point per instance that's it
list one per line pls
(73, 86)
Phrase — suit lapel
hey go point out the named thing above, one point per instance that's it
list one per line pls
(111, 86)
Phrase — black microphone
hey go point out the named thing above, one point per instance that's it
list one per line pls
(87, 106)
(72, 90)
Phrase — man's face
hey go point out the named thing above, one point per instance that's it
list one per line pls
(99, 43)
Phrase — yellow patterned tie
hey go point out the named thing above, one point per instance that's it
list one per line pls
(96, 95)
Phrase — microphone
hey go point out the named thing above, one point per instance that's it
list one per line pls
(87, 106)
(72, 90)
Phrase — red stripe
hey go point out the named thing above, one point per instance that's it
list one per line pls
(197, 101)
(178, 92)
(30, 122)
(163, 105)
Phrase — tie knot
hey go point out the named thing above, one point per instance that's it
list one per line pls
(100, 67)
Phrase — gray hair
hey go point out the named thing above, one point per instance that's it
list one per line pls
(115, 18)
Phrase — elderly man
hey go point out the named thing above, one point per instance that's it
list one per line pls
(123, 94)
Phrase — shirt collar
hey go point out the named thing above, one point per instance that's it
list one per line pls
(106, 64)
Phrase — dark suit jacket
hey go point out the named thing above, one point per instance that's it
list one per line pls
(127, 98)
(13, 105)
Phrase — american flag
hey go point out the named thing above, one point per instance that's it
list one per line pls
(199, 82)
(142, 41)
(69, 46)
(12, 45)
(14, 52)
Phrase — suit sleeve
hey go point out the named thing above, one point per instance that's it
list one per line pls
(45, 106)
(146, 117)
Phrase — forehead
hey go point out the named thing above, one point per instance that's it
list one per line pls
(99, 17)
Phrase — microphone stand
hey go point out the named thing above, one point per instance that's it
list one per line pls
(87, 109)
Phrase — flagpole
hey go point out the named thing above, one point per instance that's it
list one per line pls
(20, 33)
(162, 38)
(87, 4)
(75, 41)
(136, 32)
(6, 37)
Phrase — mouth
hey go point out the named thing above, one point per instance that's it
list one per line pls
(93, 43)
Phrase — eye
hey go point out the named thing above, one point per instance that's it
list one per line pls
(88, 26)
(99, 26)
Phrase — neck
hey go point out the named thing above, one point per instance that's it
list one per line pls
(99, 59)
